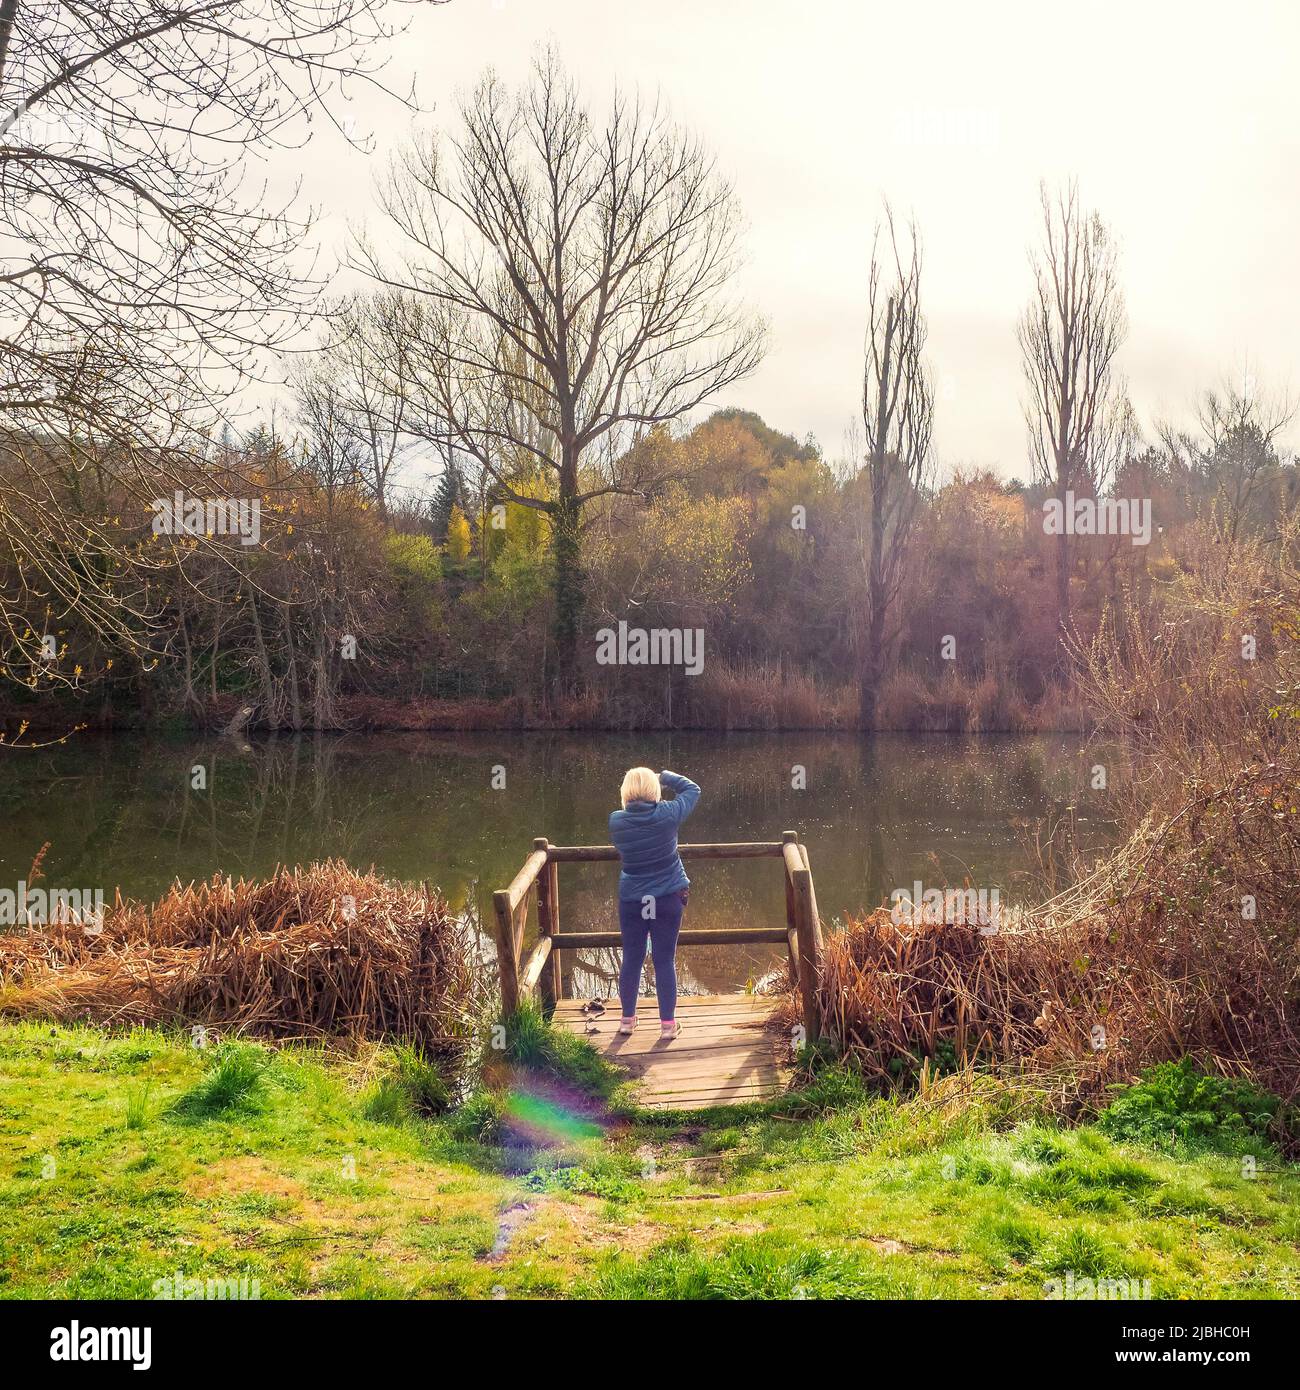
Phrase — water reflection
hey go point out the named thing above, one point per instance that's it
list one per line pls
(877, 814)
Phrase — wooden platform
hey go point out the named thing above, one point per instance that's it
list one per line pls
(725, 1054)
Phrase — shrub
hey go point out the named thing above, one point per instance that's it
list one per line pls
(534, 1045)
(1175, 1102)
(481, 1119)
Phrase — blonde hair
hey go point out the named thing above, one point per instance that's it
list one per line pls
(640, 784)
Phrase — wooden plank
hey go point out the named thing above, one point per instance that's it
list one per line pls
(653, 1079)
(532, 970)
(704, 1102)
(709, 1014)
(748, 1007)
(731, 1063)
(699, 1021)
(761, 1088)
(523, 880)
(739, 1000)
(591, 854)
(646, 1042)
(700, 936)
(691, 1083)
(702, 1096)
(647, 1010)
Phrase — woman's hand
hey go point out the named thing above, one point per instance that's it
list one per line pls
(685, 792)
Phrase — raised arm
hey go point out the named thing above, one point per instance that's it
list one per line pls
(685, 794)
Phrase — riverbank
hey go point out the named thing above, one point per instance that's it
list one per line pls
(721, 700)
(124, 1166)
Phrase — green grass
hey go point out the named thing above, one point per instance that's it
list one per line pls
(127, 1157)
(759, 1267)
(411, 1087)
(235, 1080)
(528, 1041)
(1179, 1108)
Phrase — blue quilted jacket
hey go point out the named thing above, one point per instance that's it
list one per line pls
(645, 836)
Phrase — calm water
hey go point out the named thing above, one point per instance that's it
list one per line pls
(876, 814)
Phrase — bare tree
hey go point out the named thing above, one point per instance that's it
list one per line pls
(572, 272)
(897, 421)
(328, 446)
(1240, 427)
(1069, 336)
(143, 275)
(361, 383)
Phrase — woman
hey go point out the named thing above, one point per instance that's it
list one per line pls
(652, 886)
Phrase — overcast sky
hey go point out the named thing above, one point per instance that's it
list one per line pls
(1181, 122)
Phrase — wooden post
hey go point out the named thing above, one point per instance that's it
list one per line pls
(507, 955)
(808, 930)
(790, 837)
(548, 924)
(555, 984)
(812, 901)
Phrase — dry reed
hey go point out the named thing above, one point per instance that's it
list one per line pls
(321, 951)
(1150, 957)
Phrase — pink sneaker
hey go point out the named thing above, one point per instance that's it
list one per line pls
(669, 1028)
(627, 1025)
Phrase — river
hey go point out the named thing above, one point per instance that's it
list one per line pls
(460, 811)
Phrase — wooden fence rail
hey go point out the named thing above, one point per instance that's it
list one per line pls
(538, 973)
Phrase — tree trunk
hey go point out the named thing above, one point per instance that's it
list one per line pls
(872, 665)
(569, 588)
(1062, 559)
(270, 702)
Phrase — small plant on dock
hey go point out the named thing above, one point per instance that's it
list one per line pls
(532, 1044)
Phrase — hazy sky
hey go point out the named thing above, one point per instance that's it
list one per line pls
(1181, 122)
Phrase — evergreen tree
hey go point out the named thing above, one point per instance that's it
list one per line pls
(450, 493)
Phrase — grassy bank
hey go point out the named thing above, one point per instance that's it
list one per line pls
(755, 699)
(127, 1158)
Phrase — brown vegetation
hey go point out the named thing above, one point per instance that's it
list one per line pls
(1149, 960)
(312, 952)
(1186, 941)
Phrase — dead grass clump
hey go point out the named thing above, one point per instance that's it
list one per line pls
(322, 951)
(1154, 956)
(1185, 942)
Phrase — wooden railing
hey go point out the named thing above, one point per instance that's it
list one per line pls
(538, 974)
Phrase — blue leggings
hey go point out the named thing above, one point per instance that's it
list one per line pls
(661, 932)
